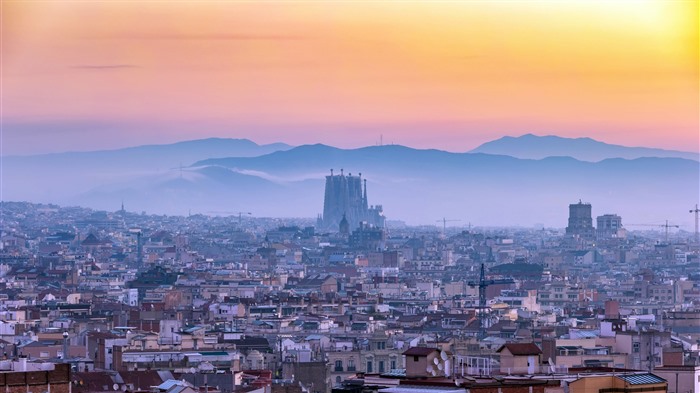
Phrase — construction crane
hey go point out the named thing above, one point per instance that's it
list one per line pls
(482, 284)
(444, 222)
(227, 213)
(666, 225)
(697, 235)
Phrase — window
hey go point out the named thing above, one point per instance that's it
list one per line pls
(369, 366)
(381, 366)
(393, 364)
(415, 358)
(338, 365)
(635, 347)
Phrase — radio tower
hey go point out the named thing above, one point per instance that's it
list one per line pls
(697, 236)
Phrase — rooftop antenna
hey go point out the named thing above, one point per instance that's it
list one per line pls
(697, 235)
(381, 139)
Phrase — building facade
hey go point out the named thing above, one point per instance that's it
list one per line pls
(580, 221)
(608, 226)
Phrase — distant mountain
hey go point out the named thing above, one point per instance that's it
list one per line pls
(424, 185)
(185, 152)
(531, 146)
(418, 186)
(64, 175)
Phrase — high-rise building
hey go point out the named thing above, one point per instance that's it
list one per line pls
(608, 226)
(580, 221)
(346, 196)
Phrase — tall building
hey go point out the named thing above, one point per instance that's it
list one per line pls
(346, 196)
(608, 226)
(580, 221)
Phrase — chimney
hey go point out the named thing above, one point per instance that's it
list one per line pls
(612, 309)
(22, 363)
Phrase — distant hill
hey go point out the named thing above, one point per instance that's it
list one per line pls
(185, 152)
(64, 175)
(418, 186)
(585, 149)
(424, 185)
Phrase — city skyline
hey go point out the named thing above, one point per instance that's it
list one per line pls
(90, 76)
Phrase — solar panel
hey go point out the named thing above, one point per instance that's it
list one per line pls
(642, 379)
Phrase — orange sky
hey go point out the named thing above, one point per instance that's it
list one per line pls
(80, 75)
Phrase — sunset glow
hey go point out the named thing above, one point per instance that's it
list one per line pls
(448, 75)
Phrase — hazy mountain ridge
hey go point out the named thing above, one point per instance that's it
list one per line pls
(531, 146)
(419, 186)
(185, 153)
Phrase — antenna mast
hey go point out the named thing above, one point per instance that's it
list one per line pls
(697, 235)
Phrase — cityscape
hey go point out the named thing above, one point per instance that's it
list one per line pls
(97, 301)
(350, 196)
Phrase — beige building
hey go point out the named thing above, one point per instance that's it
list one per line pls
(681, 379)
(578, 356)
(520, 358)
(421, 359)
(637, 382)
(378, 356)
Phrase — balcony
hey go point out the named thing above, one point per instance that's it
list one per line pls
(352, 369)
(338, 369)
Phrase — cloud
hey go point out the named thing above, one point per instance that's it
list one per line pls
(231, 37)
(211, 37)
(104, 66)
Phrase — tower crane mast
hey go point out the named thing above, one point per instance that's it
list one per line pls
(482, 284)
(666, 226)
(697, 235)
(444, 222)
(231, 213)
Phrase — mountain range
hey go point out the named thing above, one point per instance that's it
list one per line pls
(418, 186)
(585, 149)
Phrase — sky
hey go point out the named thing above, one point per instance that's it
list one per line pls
(86, 75)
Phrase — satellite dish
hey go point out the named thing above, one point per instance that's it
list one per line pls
(428, 369)
(193, 370)
(434, 373)
(123, 388)
(448, 370)
(115, 387)
(443, 355)
(440, 367)
(436, 361)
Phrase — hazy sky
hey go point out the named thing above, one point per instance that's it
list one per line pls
(80, 75)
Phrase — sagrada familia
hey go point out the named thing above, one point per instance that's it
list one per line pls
(346, 197)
